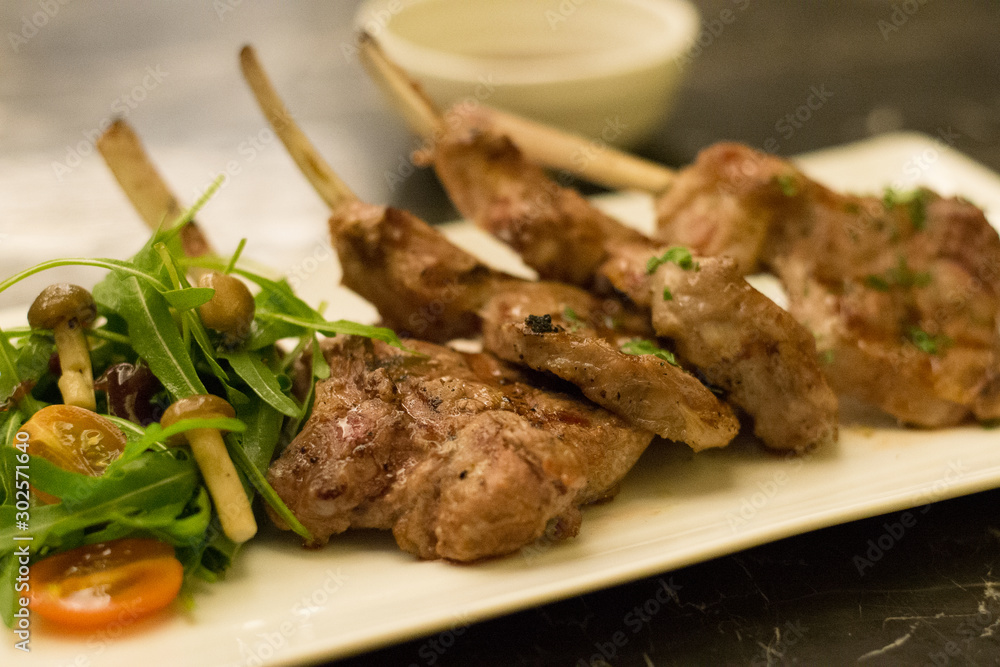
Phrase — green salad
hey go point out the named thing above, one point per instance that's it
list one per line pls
(159, 341)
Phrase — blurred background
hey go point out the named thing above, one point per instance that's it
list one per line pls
(68, 67)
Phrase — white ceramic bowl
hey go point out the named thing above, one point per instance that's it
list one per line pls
(607, 69)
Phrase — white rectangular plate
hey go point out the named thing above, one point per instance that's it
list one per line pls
(284, 605)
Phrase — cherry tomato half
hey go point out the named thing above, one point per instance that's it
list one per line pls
(74, 439)
(99, 585)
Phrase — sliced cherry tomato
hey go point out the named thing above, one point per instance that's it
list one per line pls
(74, 439)
(104, 584)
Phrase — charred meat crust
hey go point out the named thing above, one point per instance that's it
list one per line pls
(452, 452)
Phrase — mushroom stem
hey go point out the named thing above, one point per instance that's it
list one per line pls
(77, 380)
(223, 484)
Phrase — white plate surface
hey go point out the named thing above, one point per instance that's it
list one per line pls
(284, 605)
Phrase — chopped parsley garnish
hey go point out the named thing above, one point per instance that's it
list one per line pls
(667, 295)
(640, 346)
(900, 275)
(926, 342)
(914, 200)
(788, 184)
(826, 357)
(541, 324)
(877, 283)
(678, 255)
(990, 424)
(576, 322)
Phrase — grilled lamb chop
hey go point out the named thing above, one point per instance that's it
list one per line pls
(903, 292)
(571, 343)
(454, 453)
(756, 352)
(421, 283)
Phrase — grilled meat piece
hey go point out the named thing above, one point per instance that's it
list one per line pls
(454, 453)
(411, 273)
(486, 175)
(726, 204)
(750, 348)
(422, 285)
(902, 291)
(557, 232)
(648, 390)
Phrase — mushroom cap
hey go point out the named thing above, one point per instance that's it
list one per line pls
(231, 309)
(202, 406)
(60, 303)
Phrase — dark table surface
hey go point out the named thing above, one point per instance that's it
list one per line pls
(934, 67)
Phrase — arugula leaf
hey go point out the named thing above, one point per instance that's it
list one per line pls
(263, 430)
(10, 422)
(140, 494)
(345, 327)
(156, 339)
(266, 491)
(320, 367)
(262, 380)
(9, 376)
(186, 298)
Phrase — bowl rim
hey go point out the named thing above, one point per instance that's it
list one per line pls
(681, 20)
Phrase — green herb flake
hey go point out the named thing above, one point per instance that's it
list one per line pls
(788, 183)
(877, 283)
(678, 255)
(575, 321)
(918, 211)
(667, 294)
(826, 357)
(915, 201)
(900, 275)
(990, 424)
(929, 343)
(641, 346)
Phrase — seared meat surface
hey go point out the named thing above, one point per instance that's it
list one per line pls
(745, 345)
(409, 271)
(647, 390)
(422, 285)
(903, 292)
(557, 232)
(726, 203)
(454, 453)
(492, 183)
